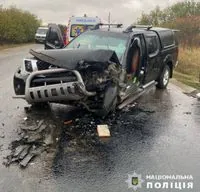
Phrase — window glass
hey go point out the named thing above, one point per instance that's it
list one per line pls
(53, 36)
(76, 30)
(42, 31)
(100, 40)
(167, 38)
(152, 44)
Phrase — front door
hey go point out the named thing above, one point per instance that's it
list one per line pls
(135, 60)
(54, 38)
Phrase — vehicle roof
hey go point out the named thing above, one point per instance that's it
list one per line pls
(85, 20)
(134, 30)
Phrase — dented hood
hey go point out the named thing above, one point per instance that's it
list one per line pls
(69, 58)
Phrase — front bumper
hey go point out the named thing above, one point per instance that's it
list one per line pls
(63, 91)
(40, 39)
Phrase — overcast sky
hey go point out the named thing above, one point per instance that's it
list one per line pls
(58, 11)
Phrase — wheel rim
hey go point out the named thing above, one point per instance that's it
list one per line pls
(166, 77)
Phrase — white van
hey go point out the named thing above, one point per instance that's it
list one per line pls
(40, 34)
(78, 25)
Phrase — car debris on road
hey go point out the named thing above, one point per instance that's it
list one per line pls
(25, 118)
(68, 122)
(198, 96)
(32, 141)
(27, 159)
(103, 131)
(2, 135)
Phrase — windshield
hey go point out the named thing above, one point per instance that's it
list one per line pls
(101, 40)
(42, 31)
(77, 29)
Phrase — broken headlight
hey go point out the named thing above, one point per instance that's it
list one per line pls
(28, 65)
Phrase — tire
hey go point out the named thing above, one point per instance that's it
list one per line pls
(164, 78)
(110, 101)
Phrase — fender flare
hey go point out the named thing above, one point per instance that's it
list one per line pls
(168, 60)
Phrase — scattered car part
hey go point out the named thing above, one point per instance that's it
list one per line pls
(68, 122)
(103, 131)
(198, 96)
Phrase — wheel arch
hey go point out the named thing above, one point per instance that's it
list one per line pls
(169, 61)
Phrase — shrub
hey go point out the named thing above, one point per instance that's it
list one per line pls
(184, 16)
(189, 62)
(189, 30)
(17, 26)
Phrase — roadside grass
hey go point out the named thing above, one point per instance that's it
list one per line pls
(7, 46)
(187, 80)
(188, 69)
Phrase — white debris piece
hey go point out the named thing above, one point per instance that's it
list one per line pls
(25, 118)
(103, 131)
(198, 96)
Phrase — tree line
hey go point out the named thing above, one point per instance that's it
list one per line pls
(183, 16)
(17, 26)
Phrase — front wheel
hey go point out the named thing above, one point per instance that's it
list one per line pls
(164, 78)
(110, 101)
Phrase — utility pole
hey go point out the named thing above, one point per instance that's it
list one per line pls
(109, 21)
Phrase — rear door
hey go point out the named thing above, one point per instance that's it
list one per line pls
(153, 57)
(54, 38)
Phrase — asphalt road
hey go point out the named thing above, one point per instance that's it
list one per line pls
(159, 136)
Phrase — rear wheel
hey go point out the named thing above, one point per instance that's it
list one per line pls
(164, 78)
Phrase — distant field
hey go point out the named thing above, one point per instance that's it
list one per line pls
(188, 69)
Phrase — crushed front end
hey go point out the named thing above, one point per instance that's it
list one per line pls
(88, 81)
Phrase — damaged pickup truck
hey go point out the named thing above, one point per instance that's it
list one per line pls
(100, 69)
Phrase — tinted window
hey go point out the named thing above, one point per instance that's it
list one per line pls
(167, 38)
(76, 30)
(42, 31)
(152, 44)
(53, 36)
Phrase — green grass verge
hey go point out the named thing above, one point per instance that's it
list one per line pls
(187, 79)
